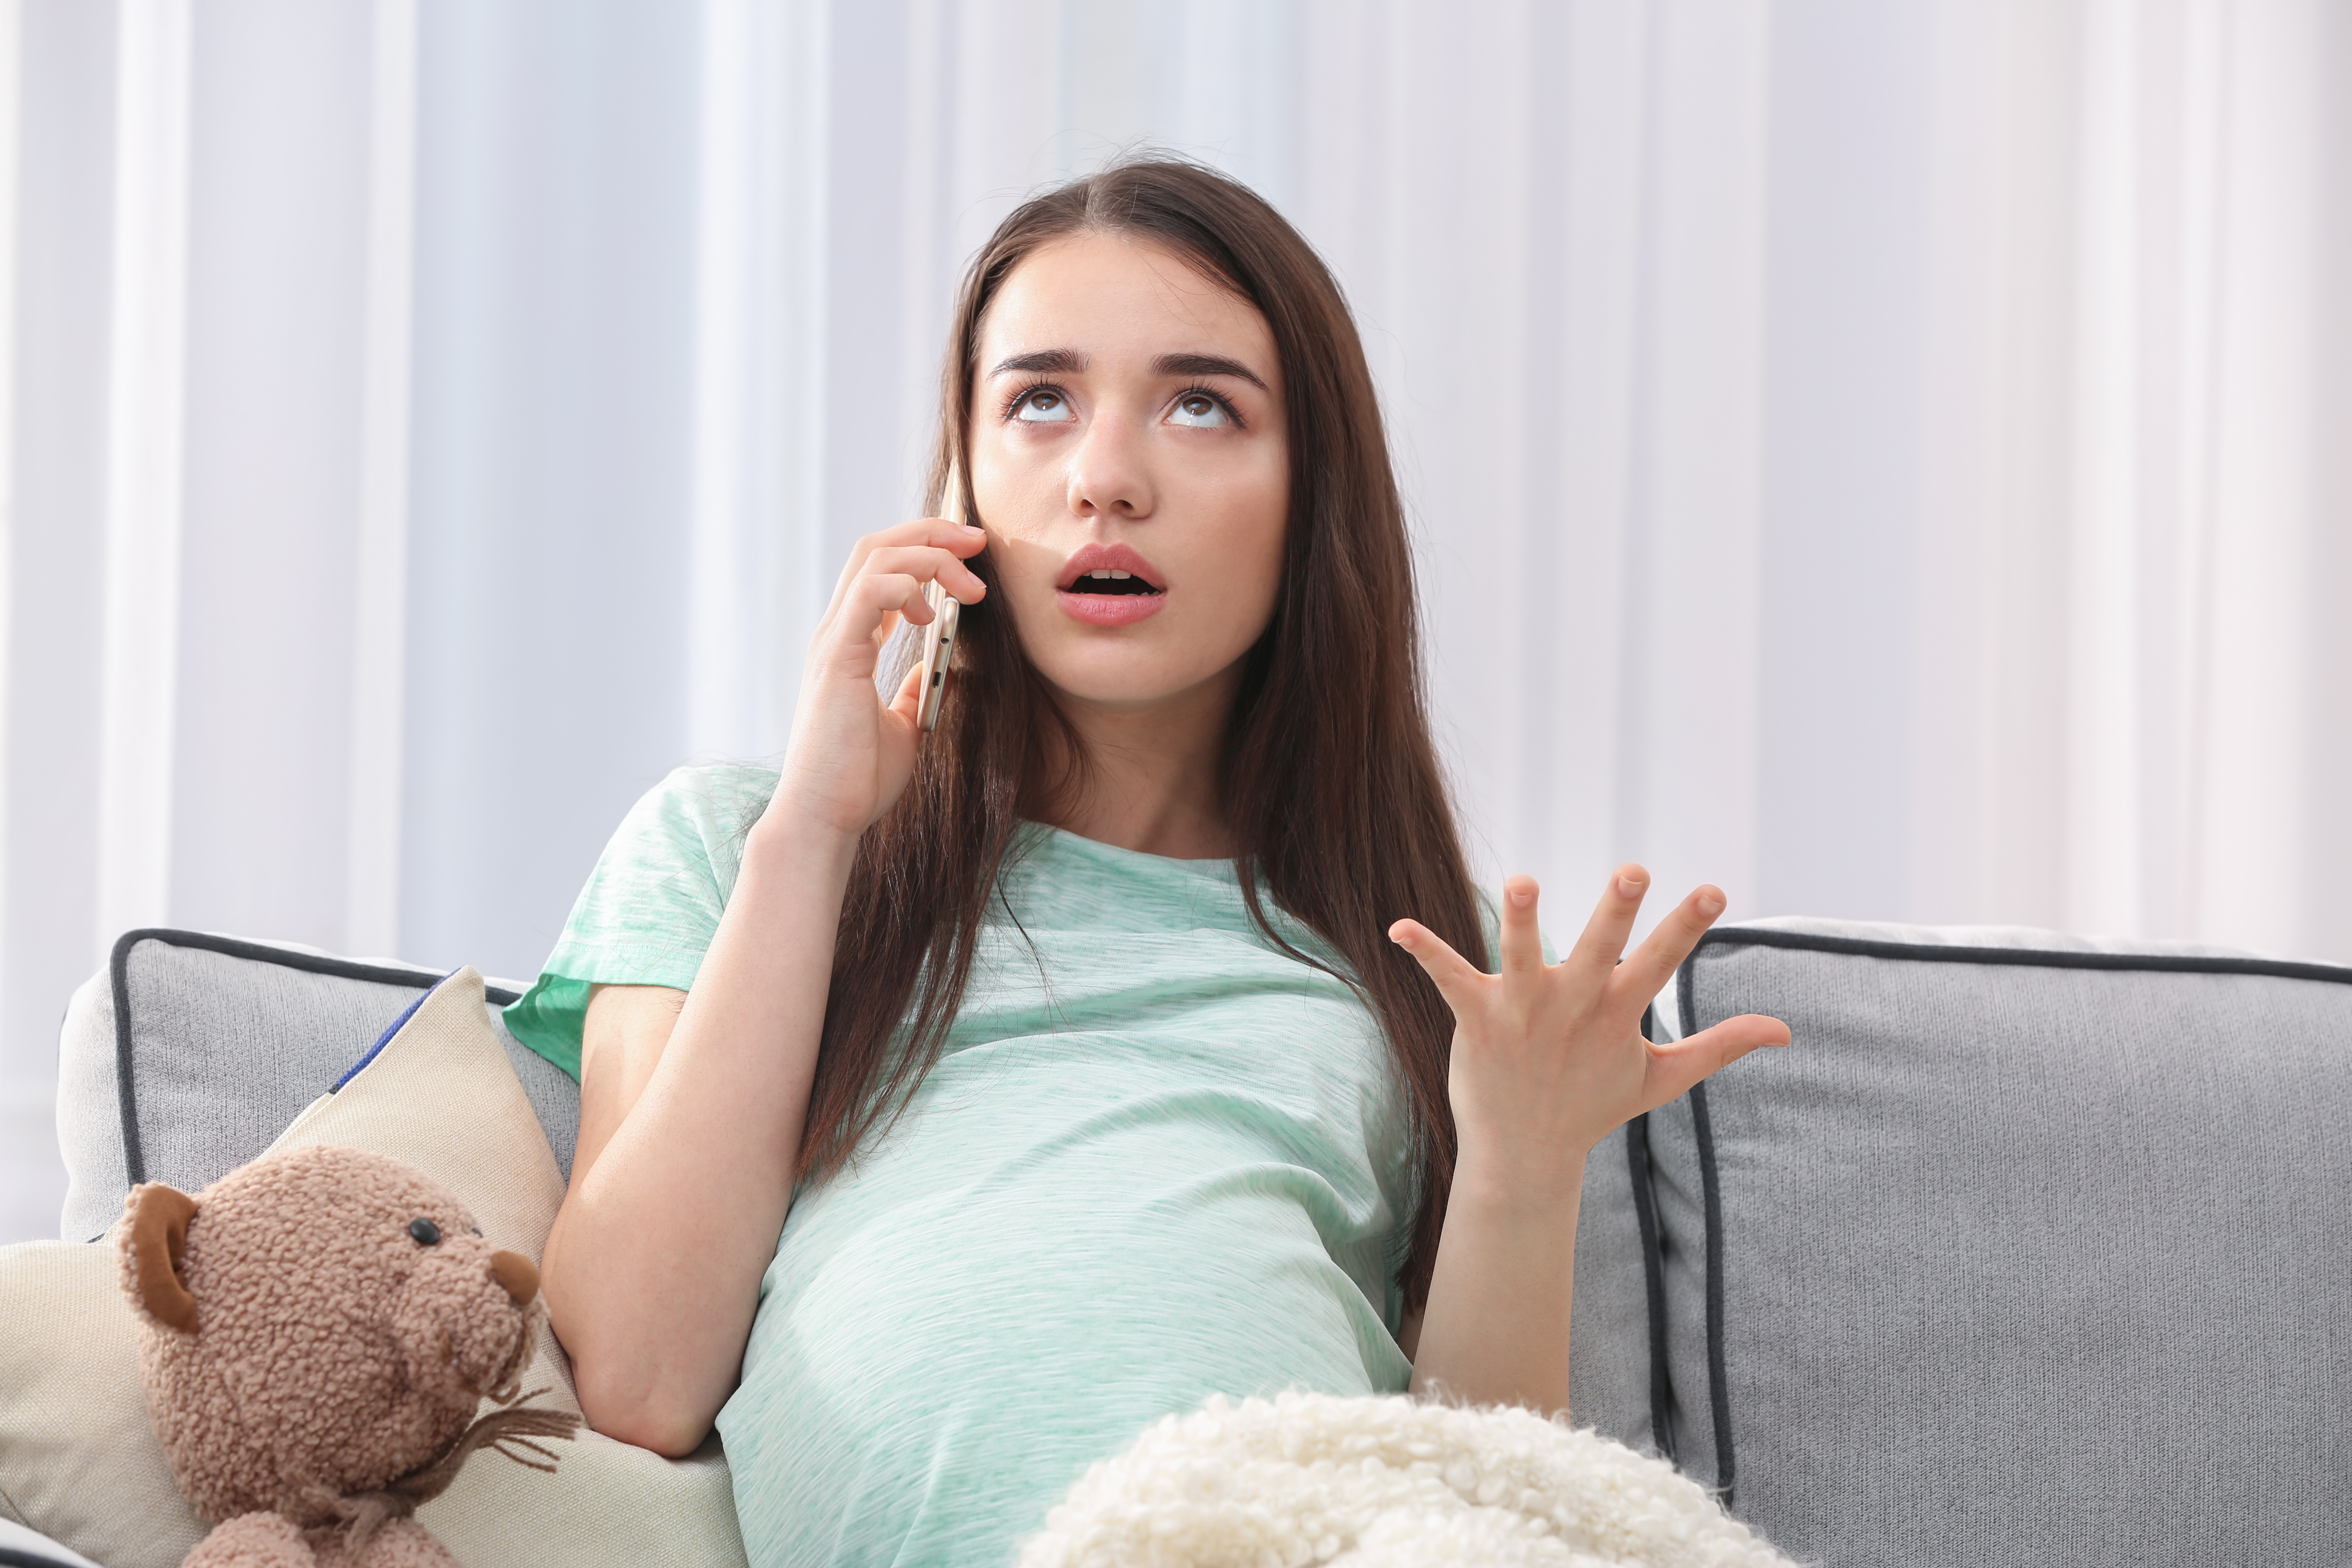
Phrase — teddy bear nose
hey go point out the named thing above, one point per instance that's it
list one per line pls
(515, 1275)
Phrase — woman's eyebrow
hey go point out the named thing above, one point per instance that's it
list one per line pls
(1205, 364)
(1044, 361)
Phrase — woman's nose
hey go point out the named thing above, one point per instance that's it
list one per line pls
(1108, 475)
(515, 1275)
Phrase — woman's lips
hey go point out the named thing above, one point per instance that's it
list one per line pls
(1142, 589)
(1124, 559)
(1109, 609)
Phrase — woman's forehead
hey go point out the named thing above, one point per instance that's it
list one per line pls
(1117, 300)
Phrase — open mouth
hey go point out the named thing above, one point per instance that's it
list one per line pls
(1110, 585)
(1106, 580)
(1107, 568)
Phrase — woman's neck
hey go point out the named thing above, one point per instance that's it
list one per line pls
(1151, 778)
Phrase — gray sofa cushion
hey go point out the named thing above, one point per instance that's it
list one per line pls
(2029, 1249)
(191, 1052)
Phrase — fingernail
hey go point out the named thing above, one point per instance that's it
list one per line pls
(1522, 897)
(1710, 906)
(1631, 887)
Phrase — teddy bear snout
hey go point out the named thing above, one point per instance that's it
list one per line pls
(468, 1317)
(515, 1275)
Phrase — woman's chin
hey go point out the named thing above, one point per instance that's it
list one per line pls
(1128, 680)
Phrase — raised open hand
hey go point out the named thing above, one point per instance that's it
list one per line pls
(1549, 1058)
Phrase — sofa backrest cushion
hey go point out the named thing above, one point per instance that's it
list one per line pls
(191, 1052)
(2029, 1248)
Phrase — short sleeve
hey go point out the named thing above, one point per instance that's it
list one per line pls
(651, 906)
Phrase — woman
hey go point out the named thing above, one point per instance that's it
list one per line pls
(1127, 1038)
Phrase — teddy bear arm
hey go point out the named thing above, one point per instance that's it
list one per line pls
(252, 1541)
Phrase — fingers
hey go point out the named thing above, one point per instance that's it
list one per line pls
(1677, 1065)
(1596, 951)
(933, 532)
(1522, 941)
(891, 582)
(1456, 978)
(908, 703)
(930, 563)
(850, 641)
(890, 591)
(1654, 964)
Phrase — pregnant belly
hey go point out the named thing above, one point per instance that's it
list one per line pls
(928, 1373)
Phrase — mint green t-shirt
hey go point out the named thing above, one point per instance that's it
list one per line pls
(1157, 1160)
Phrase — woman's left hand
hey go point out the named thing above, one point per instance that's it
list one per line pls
(1549, 1059)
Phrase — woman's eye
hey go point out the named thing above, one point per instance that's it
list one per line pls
(1200, 410)
(1044, 406)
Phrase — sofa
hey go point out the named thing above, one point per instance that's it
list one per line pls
(2030, 1248)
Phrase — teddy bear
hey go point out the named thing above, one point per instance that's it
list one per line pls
(317, 1330)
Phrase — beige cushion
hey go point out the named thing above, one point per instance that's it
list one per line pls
(80, 1462)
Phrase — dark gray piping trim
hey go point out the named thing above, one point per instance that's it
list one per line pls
(1718, 1386)
(1654, 1285)
(1639, 1172)
(17, 1557)
(2015, 957)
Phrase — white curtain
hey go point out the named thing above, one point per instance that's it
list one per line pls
(1887, 456)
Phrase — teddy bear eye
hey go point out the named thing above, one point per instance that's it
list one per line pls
(424, 1230)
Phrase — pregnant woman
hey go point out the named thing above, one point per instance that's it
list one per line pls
(953, 1105)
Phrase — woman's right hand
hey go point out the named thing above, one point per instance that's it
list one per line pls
(851, 755)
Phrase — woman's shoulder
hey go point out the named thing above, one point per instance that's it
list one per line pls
(685, 833)
(651, 904)
(710, 801)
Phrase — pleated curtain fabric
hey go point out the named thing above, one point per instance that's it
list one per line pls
(1874, 458)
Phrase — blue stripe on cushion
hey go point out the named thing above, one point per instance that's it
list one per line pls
(386, 1038)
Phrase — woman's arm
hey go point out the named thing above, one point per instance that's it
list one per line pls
(1548, 1060)
(691, 1109)
(1494, 1328)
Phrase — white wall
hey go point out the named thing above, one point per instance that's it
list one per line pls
(1869, 453)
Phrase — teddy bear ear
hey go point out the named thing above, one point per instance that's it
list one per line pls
(154, 1245)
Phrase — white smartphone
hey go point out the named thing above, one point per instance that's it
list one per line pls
(939, 637)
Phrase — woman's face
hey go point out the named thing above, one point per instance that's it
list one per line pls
(1130, 466)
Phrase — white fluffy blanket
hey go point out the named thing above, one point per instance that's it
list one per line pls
(1383, 1483)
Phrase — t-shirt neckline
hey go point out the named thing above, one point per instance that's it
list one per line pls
(1215, 868)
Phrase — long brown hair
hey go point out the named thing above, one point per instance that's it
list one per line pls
(1331, 782)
